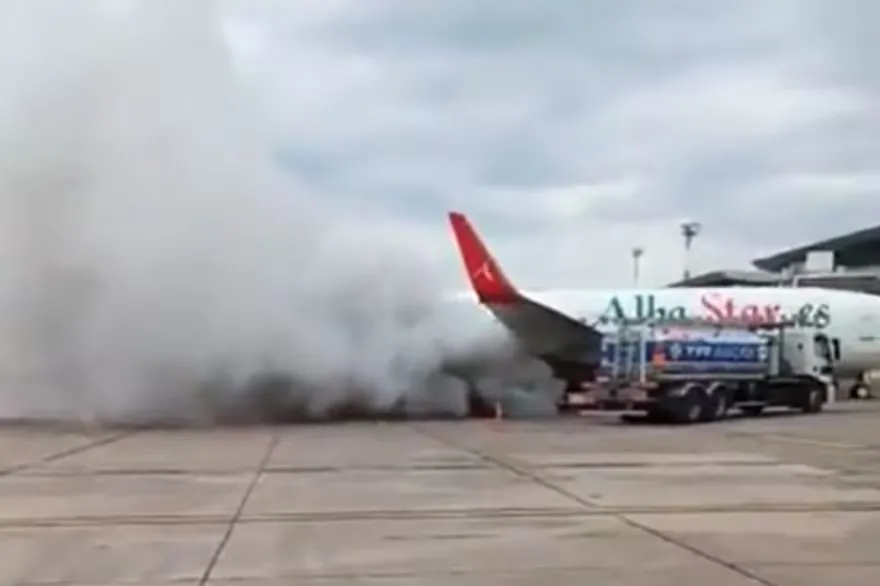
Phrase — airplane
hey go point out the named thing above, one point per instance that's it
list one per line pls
(564, 328)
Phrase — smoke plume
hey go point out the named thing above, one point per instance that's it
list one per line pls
(158, 267)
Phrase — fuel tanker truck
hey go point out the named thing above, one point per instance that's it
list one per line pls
(693, 371)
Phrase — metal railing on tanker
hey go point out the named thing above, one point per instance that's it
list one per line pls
(630, 342)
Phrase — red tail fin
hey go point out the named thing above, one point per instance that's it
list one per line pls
(488, 280)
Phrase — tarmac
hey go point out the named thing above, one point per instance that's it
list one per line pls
(777, 500)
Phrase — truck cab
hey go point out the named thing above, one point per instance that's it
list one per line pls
(804, 352)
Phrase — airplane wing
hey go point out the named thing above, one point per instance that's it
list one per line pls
(542, 330)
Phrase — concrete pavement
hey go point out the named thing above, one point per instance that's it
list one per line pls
(788, 501)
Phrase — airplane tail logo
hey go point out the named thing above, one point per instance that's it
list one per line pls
(487, 279)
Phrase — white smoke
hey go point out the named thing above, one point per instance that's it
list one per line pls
(156, 265)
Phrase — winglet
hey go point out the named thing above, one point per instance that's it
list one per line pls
(488, 280)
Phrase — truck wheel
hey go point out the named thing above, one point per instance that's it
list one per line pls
(716, 406)
(691, 407)
(814, 401)
(752, 410)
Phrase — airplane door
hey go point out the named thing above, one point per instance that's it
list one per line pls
(866, 347)
(867, 330)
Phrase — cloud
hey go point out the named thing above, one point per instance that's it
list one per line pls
(574, 131)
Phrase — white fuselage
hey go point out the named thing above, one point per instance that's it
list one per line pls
(851, 320)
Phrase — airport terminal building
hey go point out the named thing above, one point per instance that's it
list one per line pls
(850, 262)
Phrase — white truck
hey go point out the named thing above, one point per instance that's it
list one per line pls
(692, 371)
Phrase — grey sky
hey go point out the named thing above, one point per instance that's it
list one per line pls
(572, 130)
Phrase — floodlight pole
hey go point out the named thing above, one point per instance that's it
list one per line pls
(637, 253)
(689, 230)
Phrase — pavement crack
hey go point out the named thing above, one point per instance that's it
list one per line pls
(66, 453)
(239, 511)
(527, 474)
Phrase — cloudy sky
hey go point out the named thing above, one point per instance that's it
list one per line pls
(573, 130)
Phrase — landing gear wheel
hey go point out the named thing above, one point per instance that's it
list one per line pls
(860, 391)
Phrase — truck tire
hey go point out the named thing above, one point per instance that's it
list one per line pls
(690, 407)
(716, 405)
(752, 410)
(813, 401)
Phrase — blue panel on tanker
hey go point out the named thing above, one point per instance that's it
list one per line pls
(705, 351)
(700, 355)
